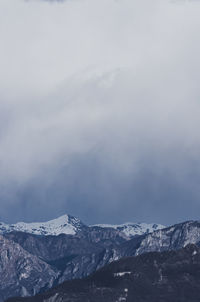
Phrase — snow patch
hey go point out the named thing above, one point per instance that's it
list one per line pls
(23, 276)
(121, 274)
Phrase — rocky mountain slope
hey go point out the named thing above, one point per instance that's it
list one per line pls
(22, 273)
(172, 276)
(171, 238)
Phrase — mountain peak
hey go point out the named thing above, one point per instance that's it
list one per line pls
(65, 224)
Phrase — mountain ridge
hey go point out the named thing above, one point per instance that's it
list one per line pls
(133, 229)
(70, 225)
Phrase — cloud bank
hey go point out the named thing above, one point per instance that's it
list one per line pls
(99, 110)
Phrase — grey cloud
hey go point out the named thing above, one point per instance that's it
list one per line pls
(99, 116)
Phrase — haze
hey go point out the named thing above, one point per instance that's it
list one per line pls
(99, 110)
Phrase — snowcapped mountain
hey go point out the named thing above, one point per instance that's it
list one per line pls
(65, 224)
(78, 256)
(71, 225)
(132, 229)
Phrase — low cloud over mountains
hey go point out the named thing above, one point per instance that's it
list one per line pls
(99, 110)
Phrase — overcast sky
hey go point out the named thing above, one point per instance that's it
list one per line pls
(100, 110)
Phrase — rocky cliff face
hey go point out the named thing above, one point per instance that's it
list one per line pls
(172, 276)
(22, 273)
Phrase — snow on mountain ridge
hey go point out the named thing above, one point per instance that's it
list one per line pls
(65, 224)
(132, 229)
(70, 225)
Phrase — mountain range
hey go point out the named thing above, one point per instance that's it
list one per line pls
(37, 257)
(171, 276)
